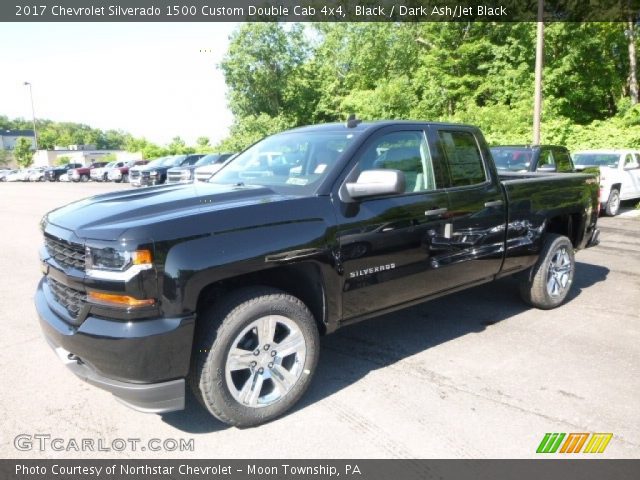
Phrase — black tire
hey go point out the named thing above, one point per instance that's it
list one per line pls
(125, 178)
(105, 177)
(217, 331)
(537, 285)
(612, 206)
(84, 178)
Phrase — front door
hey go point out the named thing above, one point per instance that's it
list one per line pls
(384, 241)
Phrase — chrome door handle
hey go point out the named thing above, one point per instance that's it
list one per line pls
(435, 211)
(495, 203)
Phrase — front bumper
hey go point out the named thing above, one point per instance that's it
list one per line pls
(142, 362)
(145, 181)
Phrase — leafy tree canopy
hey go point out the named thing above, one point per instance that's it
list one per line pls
(481, 73)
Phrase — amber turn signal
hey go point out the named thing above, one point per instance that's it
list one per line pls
(119, 300)
(141, 257)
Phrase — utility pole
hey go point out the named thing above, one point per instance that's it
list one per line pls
(633, 78)
(537, 104)
(33, 115)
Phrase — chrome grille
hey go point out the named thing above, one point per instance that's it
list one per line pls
(174, 177)
(66, 254)
(133, 174)
(72, 300)
(203, 177)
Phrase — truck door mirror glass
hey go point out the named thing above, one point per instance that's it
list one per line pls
(377, 182)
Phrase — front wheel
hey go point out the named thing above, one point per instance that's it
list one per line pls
(256, 354)
(548, 282)
(613, 203)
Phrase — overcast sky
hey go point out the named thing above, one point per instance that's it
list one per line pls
(150, 79)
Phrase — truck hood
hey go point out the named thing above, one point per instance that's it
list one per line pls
(109, 216)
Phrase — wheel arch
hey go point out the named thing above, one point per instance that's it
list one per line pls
(302, 280)
(571, 225)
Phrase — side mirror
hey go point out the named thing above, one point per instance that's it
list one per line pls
(546, 168)
(372, 183)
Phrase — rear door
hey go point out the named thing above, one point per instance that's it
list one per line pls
(384, 242)
(473, 245)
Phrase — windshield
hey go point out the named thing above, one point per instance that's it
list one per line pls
(173, 161)
(512, 158)
(209, 159)
(596, 159)
(110, 164)
(155, 163)
(190, 161)
(294, 161)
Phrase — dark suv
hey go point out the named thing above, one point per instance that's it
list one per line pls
(53, 174)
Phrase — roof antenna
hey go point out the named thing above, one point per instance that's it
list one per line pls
(352, 121)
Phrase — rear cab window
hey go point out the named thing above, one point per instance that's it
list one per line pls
(563, 160)
(462, 157)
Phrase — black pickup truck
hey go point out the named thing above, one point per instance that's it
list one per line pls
(532, 158)
(53, 174)
(229, 284)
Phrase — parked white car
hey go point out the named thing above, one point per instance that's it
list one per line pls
(4, 174)
(101, 174)
(14, 176)
(36, 175)
(619, 175)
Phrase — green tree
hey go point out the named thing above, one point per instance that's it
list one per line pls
(5, 157)
(63, 160)
(23, 152)
(247, 130)
(202, 142)
(178, 146)
(260, 66)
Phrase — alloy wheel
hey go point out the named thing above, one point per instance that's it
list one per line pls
(559, 274)
(265, 361)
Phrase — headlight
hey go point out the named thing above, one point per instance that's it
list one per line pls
(186, 174)
(153, 173)
(116, 264)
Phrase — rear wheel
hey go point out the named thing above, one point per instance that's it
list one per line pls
(256, 355)
(125, 178)
(548, 282)
(613, 203)
(84, 178)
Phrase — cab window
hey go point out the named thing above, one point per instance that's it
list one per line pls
(408, 152)
(630, 162)
(546, 161)
(463, 158)
(563, 161)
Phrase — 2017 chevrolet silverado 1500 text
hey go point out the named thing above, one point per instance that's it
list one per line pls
(229, 284)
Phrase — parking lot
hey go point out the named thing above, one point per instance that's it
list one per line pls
(474, 374)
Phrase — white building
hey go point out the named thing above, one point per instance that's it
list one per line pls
(9, 138)
(44, 158)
